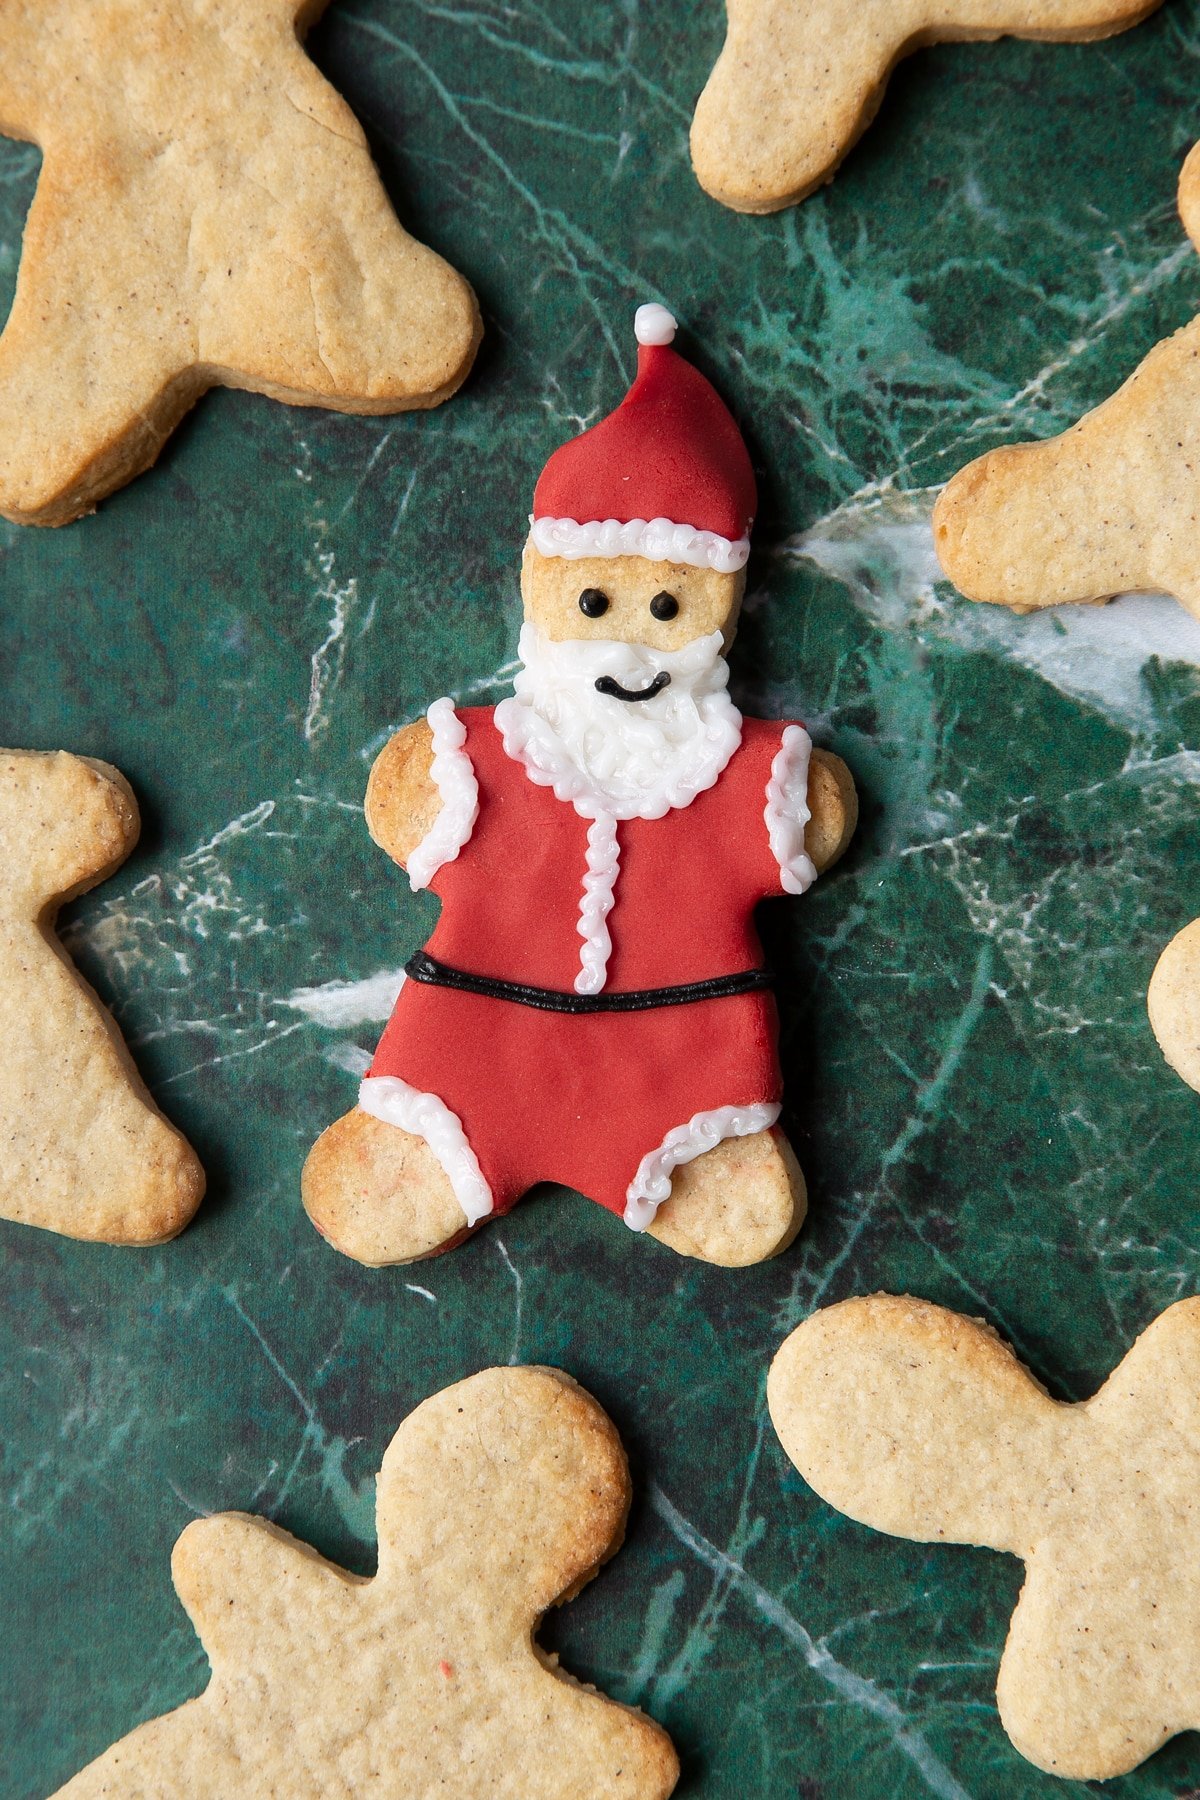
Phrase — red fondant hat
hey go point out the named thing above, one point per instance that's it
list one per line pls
(665, 476)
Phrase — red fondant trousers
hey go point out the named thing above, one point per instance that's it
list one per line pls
(577, 1098)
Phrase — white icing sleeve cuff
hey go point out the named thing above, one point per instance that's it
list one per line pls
(786, 812)
(704, 1131)
(455, 781)
(392, 1100)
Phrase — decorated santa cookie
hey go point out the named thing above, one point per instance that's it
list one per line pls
(592, 1007)
(499, 1497)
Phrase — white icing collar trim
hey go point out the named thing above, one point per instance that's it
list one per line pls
(660, 540)
(786, 812)
(392, 1100)
(455, 781)
(704, 1131)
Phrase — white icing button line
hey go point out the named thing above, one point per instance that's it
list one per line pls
(603, 865)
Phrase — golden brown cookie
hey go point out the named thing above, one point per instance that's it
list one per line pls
(207, 214)
(83, 1148)
(498, 1498)
(921, 1423)
(1109, 506)
(799, 81)
(1173, 1002)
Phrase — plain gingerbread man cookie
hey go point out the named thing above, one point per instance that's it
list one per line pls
(83, 1149)
(799, 81)
(207, 214)
(921, 1423)
(1106, 508)
(498, 1498)
(1173, 1002)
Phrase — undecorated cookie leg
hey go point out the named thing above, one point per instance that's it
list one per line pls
(379, 1194)
(739, 1203)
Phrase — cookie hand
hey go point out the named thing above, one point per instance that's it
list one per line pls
(403, 802)
(833, 809)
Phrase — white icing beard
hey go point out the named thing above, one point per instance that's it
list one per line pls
(629, 759)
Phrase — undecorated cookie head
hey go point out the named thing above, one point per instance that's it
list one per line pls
(497, 1498)
(921, 1423)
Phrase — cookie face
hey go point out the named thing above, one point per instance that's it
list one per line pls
(1106, 508)
(497, 1498)
(221, 226)
(83, 1149)
(799, 81)
(1173, 1002)
(921, 1423)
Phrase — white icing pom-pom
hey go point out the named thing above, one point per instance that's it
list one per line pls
(653, 324)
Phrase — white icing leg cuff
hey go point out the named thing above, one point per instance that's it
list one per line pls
(704, 1131)
(393, 1101)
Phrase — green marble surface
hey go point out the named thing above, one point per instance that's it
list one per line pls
(972, 1085)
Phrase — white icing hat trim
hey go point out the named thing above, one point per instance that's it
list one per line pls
(786, 812)
(653, 324)
(659, 540)
(392, 1100)
(455, 781)
(704, 1131)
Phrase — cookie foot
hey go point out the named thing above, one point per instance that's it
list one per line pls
(739, 1203)
(379, 1194)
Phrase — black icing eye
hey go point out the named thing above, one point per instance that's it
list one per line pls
(664, 605)
(593, 603)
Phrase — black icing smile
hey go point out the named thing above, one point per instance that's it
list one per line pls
(605, 684)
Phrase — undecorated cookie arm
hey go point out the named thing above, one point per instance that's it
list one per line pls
(403, 801)
(243, 1580)
(798, 83)
(792, 89)
(915, 1421)
(833, 809)
(66, 822)
(1106, 508)
(1173, 1002)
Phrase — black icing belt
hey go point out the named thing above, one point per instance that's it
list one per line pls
(424, 967)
